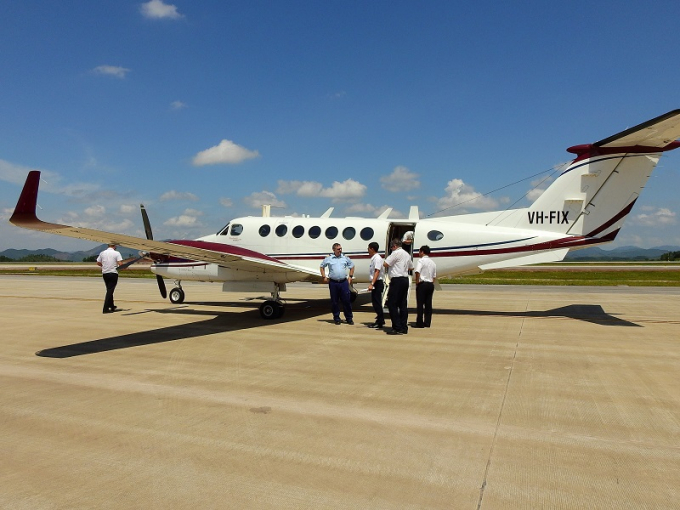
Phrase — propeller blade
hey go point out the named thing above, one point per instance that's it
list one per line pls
(149, 236)
(147, 223)
(161, 286)
(130, 262)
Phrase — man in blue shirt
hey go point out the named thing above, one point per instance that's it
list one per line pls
(338, 282)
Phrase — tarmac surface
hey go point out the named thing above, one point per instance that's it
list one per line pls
(517, 397)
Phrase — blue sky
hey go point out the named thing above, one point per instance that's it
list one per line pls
(205, 110)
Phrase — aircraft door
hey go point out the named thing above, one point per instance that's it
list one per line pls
(399, 231)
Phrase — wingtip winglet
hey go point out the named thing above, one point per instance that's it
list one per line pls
(24, 212)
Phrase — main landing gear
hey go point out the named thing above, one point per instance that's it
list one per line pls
(177, 294)
(272, 308)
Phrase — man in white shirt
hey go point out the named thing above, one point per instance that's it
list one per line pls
(398, 264)
(109, 260)
(426, 272)
(376, 272)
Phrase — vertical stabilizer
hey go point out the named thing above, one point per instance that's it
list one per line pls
(593, 196)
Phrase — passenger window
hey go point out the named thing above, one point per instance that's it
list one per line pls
(298, 231)
(349, 233)
(281, 230)
(236, 229)
(332, 232)
(435, 235)
(224, 231)
(314, 232)
(366, 233)
(264, 230)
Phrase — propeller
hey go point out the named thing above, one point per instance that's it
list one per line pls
(149, 236)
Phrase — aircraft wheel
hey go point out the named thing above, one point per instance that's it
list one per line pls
(271, 310)
(177, 295)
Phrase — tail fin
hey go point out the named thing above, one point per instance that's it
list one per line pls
(593, 196)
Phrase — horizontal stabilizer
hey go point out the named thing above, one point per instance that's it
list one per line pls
(658, 132)
(538, 258)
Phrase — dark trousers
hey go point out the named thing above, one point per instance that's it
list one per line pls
(376, 299)
(110, 280)
(424, 292)
(340, 294)
(397, 303)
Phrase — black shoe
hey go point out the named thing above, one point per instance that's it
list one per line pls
(417, 326)
(404, 331)
(395, 332)
(375, 326)
(338, 322)
(350, 322)
(115, 309)
(107, 311)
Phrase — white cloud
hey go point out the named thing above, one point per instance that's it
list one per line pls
(116, 71)
(187, 219)
(226, 202)
(300, 188)
(127, 209)
(156, 9)
(655, 217)
(17, 174)
(227, 152)
(372, 211)
(338, 191)
(178, 105)
(458, 194)
(178, 195)
(401, 179)
(96, 211)
(258, 199)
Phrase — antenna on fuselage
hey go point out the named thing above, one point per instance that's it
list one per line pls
(327, 214)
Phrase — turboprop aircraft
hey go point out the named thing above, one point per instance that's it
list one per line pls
(585, 205)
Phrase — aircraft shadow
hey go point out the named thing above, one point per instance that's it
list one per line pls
(589, 313)
(225, 322)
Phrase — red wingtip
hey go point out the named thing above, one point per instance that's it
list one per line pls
(24, 212)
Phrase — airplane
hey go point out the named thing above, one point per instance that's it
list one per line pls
(586, 205)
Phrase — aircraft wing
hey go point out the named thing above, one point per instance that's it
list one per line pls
(223, 254)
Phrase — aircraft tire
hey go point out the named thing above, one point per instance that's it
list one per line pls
(271, 309)
(177, 295)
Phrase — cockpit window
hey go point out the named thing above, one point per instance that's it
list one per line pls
(236, 229)
(224, 230)
(435, 235)
(264, 230)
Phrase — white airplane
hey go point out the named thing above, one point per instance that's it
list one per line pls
(585, 206)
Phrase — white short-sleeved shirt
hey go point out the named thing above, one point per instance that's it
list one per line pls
(109, 259)
(376, 263)
(398, 262)
(427, 269)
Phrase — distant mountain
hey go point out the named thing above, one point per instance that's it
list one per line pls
(76, 256)
(620, 253)
(588, 254)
